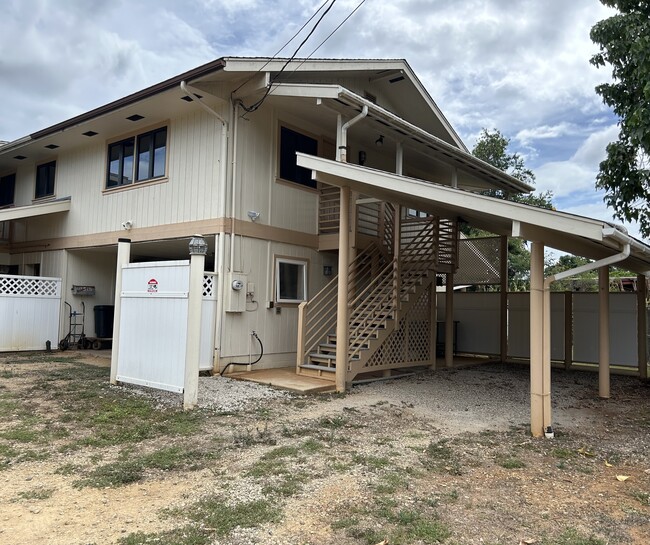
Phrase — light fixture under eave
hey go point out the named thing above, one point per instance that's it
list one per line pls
(380, 140)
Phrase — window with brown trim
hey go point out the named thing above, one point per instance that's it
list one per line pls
(138, 158)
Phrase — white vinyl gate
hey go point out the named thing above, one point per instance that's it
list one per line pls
(30, 308)
(153, 324)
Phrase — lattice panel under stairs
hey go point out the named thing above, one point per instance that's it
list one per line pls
(210, 286)
(408, 343)
(29, 286)
(479, 261)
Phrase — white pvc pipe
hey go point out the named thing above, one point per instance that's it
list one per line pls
(344, 133)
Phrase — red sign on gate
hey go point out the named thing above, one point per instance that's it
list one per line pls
(152, 286)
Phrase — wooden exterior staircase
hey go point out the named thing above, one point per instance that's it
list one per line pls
(388, 281)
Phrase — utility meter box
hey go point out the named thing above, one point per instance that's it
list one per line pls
(235, 292)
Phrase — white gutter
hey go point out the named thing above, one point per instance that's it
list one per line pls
(344, 132)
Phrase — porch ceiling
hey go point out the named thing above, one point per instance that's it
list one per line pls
(578, 235)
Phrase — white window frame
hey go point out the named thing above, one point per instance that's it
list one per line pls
(305, 270)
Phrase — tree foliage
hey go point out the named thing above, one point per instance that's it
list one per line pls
(624, 42)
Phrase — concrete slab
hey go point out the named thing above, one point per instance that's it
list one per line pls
(287, 379)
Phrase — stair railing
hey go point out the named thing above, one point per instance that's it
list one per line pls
(317, 317)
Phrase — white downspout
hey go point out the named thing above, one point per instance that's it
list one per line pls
(344, 133)
(223, 170)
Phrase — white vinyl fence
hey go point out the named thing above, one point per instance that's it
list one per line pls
(153, 324)
(478, 325)
(30, 308)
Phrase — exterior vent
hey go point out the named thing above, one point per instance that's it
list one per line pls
(89, 133)
(135, 117)
(20, 157)
(51, 146)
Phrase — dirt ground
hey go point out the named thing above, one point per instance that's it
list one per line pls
(441, 457)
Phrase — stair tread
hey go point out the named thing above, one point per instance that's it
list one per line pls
(318, 367)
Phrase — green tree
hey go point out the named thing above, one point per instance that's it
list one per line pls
(492, 147)
(624, 42)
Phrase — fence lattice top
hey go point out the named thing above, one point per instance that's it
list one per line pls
(209, 285)
(29, 286)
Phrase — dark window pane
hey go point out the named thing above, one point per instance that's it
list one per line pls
(114, 162)
(127, 162)
(45, 179)
(145, 143)
(291, 281)
(7, 187)
(290, 143)
(160, 153)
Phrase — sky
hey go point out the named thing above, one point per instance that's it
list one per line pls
(519, 66)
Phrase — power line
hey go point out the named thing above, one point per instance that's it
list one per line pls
(255, 106)
(285, 45)
(333, 31)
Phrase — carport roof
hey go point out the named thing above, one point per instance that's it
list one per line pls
(588, 237)
(37, 209)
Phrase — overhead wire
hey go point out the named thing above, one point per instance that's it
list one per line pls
(285, 45)
(257, 104)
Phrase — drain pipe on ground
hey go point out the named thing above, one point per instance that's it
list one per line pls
(626, 241)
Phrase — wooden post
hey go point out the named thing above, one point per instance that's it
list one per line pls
(397, 254)
(568, 329)
(503, 307)
(603, 332)
(302, 331)
(433, 322)
(123, 257)
(642, 331)
(546, 355)
(342, 314)
(536, 339)
(449, 320)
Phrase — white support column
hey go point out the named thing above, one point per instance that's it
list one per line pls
(642, 333)
(342, 317)
(192, 350)
(546, 355)
(503, 299)
(537, 339)
(603, 332)
(449, 320)
(123, 257)
(433, 323)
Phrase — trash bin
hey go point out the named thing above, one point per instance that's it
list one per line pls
(104, 321)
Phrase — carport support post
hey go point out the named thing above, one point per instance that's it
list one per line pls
(642, 331)
(342, 329)
(198, 249)
(123, 257)
(603, 332)
(503, 306)
(449, 320)
(537, 362)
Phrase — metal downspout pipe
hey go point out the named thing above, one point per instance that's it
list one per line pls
(223, 169)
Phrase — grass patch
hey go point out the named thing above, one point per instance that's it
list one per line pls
(371, 462)
(187, 535)
(67, 469)
(562, 453)
(642, 497)
(332, 422)
(38, 494)
(265, 468)
(571, 536)
(440, 456)
(511, 463)
(129, 469)
(290, 485)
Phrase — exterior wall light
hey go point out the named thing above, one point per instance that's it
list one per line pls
(253, 215)
(380, 140)
(198, 246)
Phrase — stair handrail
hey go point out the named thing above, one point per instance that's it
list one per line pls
(317, 317)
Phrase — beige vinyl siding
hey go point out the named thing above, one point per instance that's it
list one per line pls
(278, 332)
(190, 192)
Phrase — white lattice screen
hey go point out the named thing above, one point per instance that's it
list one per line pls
(30, 286)
(409, 343)
(209, 285)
